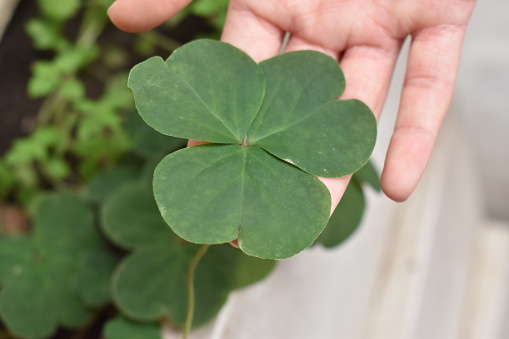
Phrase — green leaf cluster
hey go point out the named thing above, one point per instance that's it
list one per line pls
(274, 126)
(132, 221)
(62, 272)
(70, 127)
(46, 277)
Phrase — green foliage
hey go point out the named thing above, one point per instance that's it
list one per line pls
(131, 220)
(109, 180)
(46, 35)
(347, 216)
(59, 10)
(38, 152)
(92, 281)
(282, 127)
(40, 272)
(368, 174)
(122, 328)
(148, 143)
(69, 125)
(223, 192)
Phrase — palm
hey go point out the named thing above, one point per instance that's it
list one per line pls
(365, 37)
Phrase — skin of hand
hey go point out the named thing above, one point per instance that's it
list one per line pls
(365, 36)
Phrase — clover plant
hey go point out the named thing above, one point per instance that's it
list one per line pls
(272, 128)
(132, 221)
(59, 274)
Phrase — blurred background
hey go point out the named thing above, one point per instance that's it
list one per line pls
(482, 98)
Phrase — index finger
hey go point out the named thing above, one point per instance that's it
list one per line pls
(141, 15)
(427, 92)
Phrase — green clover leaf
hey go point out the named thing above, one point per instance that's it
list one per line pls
(150, 283)
(275, 127)
(39, 271)
(347, 216)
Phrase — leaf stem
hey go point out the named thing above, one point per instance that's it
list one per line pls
(284, 43)
(160, 40)
(190, 290)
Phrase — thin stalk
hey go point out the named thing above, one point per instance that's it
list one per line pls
(160, 40)
(90, 30)
(190, 290)
(46, 110)
(284, 43)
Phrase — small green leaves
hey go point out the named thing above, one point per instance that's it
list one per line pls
(59, 10)
(277, 117)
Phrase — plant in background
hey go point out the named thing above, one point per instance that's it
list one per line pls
(79, 127)
(57, 275)
(70, 124)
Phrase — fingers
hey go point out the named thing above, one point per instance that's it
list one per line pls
(427, 91)
(367, 72)
(296, 43)
(251, 33)
(141, 15)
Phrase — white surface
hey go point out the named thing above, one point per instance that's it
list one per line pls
(482, 96)
(485, 308)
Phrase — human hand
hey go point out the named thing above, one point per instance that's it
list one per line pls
(365, 37)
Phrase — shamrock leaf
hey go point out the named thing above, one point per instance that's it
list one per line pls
(181, 97)
(92, 282)
(346, 217)
(38, 287)
(109, 180)
(231, 191)
(276, 126)
(150, 283)
(148, 143)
